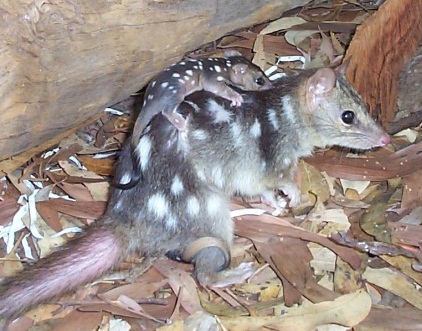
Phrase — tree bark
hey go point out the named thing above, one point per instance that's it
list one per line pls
(378, 51)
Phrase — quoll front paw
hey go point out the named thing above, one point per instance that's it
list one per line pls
(270, 198)
(236, 100)
(293, 193)
(294, 199)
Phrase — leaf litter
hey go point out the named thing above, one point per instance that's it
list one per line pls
(344, 258)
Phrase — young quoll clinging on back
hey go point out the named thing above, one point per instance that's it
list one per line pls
(165, 93)
(184, 196)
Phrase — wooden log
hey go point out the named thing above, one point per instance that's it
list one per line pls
(378, 51)
(63, 61)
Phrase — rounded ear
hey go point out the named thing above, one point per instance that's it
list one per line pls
(231, 53)
(318, 85)
(237, 73)
(240, 68)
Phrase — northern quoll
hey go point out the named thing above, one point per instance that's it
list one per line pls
(189, 178)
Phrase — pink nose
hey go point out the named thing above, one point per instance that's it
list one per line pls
(385, 140)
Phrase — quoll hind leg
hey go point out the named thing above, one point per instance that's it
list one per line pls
(230, 94)
(210, 268)
(176, 119)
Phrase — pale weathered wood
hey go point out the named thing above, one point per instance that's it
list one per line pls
(61, 62)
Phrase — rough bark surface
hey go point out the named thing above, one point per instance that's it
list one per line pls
(63, 61)
(378, 51)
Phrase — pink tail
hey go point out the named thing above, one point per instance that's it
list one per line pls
(76, 263)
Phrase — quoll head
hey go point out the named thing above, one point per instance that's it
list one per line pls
(247, 76)
(339, 114)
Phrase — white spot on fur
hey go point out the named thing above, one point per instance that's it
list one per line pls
(263, 165)
(217, 176)
(193, 82)
(165, 84)
(171, 87)
(220, 79)
(289, 111)
(118, 205)
(158, 205)
(176, 186)
(213, 204)
(175, 75)
(192, 206)
(199, 134)
(201, 174)
(174, 91)
(220, 113)
(195, 67)
(189, 72)
(153, 83)
(193, 105)
(145, 102)
(256, 129)
(181, 81)
(236, 134)
(228, 63)
(217, 68)
(182, 63)
(186, 78)
(272, 116)
(182, 143)
(144, 150)
(287, 161)
(171, 222)
(211, 68)
(150, 96)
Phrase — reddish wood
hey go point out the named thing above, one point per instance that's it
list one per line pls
(379, 49)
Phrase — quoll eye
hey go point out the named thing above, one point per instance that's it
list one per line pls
(260, 81)
(348, 116)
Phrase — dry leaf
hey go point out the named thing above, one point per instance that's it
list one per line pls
(8, 209)
(259, 57)
(282, 24)
(135, 290)
(313, 183)
(103, 167)
(404, 264)
(347, 310)
(99, 191)
(395, 283)
(182, 284)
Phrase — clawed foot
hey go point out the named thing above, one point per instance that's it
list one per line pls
(275, 201)
(293, 193)
(279, 203)
(236, 100)
(177, 120)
